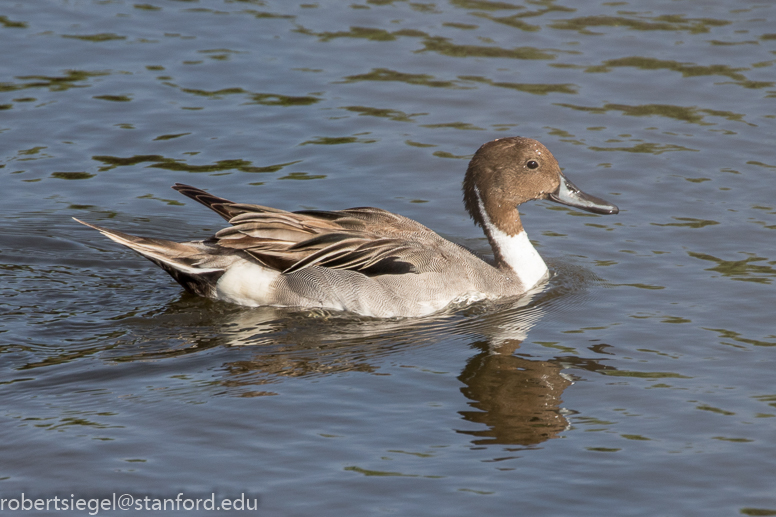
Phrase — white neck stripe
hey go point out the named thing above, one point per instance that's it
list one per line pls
(516, 250)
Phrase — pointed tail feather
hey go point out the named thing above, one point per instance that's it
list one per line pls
(180, 260)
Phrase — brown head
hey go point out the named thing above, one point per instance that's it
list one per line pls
(507, 172)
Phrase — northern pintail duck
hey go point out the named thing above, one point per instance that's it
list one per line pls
(367, 260)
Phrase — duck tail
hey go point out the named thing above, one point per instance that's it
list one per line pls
(189, 264)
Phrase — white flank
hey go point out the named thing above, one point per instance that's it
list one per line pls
(247, 283)
(517, 251)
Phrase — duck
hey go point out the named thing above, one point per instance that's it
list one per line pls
(369, 261)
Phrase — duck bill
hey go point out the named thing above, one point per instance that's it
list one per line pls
(568, 194)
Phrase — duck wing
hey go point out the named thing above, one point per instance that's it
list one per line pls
(369, 219)
(287, 244)
(370, 240)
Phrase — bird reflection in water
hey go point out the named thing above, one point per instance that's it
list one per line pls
(517, 398)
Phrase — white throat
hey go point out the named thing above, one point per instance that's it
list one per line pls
(516, 250)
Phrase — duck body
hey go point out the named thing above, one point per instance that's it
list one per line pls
(367, 260)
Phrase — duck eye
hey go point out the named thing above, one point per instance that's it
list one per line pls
(532, 164)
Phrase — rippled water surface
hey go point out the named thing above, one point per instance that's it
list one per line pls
(639, 381)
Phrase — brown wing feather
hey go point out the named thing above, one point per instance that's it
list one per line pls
(375, 220)
(365, 239)
(223, 207)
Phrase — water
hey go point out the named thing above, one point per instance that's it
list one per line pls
(638, 382)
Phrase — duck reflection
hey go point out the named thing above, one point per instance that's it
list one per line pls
(517, 398)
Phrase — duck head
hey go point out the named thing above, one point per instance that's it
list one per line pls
(507, 172)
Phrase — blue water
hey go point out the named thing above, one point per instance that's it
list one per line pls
(638, 382)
